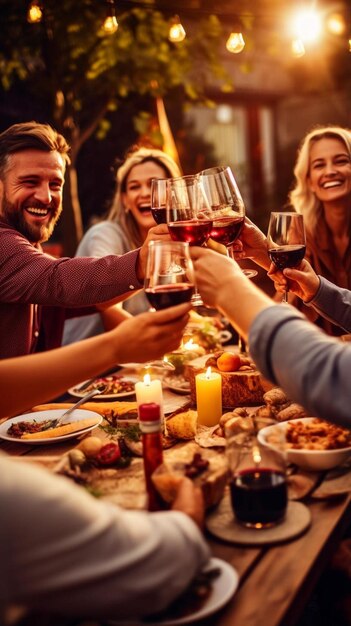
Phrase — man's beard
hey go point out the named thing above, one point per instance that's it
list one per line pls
(34, 233)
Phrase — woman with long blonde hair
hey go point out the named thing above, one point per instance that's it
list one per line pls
(125, 228)
(322, 194)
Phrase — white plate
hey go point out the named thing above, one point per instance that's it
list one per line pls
(312, 460)
(175, 385)
(74, 391)
(41, 416)
(223, 588)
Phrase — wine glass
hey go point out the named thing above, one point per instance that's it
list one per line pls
(188, 215)
(169, 275)
(226, 205)
(286, 241)
(158, 200)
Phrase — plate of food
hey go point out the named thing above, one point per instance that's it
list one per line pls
(178, 384)
(116, 386)
(310, 443)
(208, 593)
(40, 427)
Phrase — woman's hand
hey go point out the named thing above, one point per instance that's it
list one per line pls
(213, 274)
(302, 281)
(252, 244)
(150, 335)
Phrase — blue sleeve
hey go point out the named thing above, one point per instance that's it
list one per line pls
(312, 368)
(333, 303)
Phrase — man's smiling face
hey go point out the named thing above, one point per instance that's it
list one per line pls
(31, 193)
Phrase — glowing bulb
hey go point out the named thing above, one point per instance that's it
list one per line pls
(176, 31)
(336, 24)
(35, 13)
(235, 43)
(349, 45)
(297, 48)
(308, 25)
(110, 25)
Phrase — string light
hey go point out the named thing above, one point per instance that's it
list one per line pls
(336, 24)
(35, 12)
(349, 45)
(176, 31)
(110, 24)
(297, 48)
(307, 25)
(235, 43)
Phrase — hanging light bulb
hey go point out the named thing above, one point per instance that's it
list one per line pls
(110, 24)
(349, 45)
(297, 48)
(35, 12)
(176, 31)
(336, 24)
(235, 43)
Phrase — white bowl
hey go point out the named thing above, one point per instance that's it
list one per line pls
(313, 460)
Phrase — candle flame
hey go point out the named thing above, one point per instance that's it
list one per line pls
(147, 379)
(208, 373)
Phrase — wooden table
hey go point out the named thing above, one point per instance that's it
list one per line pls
(275, 582)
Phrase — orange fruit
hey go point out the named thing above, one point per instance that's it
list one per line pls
(228, 362)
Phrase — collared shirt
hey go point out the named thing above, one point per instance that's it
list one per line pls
(325, 260)
(38, 292)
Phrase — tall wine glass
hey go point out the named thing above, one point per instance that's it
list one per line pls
(169, 275)
(158, 200)
(227, 207)
(286, 241)
(188, 217)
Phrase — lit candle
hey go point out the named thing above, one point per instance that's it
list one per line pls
(193, 347)
(209, 397)
(149, 391)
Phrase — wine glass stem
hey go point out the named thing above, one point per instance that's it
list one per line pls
(285, 296)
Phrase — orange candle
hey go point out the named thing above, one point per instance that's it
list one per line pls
(208, 397)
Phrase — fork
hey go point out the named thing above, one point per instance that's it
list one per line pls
(93, 392)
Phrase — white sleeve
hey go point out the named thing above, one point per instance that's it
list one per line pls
(103, 239)
(67, 552)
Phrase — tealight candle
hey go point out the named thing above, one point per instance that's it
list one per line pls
(149, 391)
(208, 397)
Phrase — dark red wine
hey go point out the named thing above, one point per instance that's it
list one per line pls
(287, 256)
(163, 296)
(159, 214)
(195, 233)
(226, 230)
(259, 496)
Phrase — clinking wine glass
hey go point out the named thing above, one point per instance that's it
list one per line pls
(188, 217)
(226, 205)
(169, 276)
(159, 200)
(286, 241)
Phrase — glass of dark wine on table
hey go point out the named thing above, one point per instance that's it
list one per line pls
(227, 207)
(169, 276)
(188, 217)
(286, 241)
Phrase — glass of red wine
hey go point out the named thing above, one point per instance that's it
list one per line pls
(169, 276)
(158, 200)
(188, 216)
(227, 207)
(257, 476)
(286, 241)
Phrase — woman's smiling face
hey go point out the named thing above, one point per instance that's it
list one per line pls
(137, 195)
(330, 170)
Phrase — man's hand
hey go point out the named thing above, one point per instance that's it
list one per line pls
(252, 244)
(302, 281)
(159, 232)
(150, 335)
(190, 501)
(213, 273)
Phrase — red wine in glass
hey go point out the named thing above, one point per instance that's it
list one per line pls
(287, 256)
(259, 496)
(193, 232)
(159, 214)
(226, 230)
(164, 296)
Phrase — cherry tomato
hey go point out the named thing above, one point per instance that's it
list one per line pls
(109, 454)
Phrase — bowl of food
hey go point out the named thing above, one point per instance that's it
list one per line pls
(309, 442)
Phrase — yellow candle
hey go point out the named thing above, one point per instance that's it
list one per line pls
(209, 397)
(149, 391)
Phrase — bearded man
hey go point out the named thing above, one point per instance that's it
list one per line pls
(37, 291)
